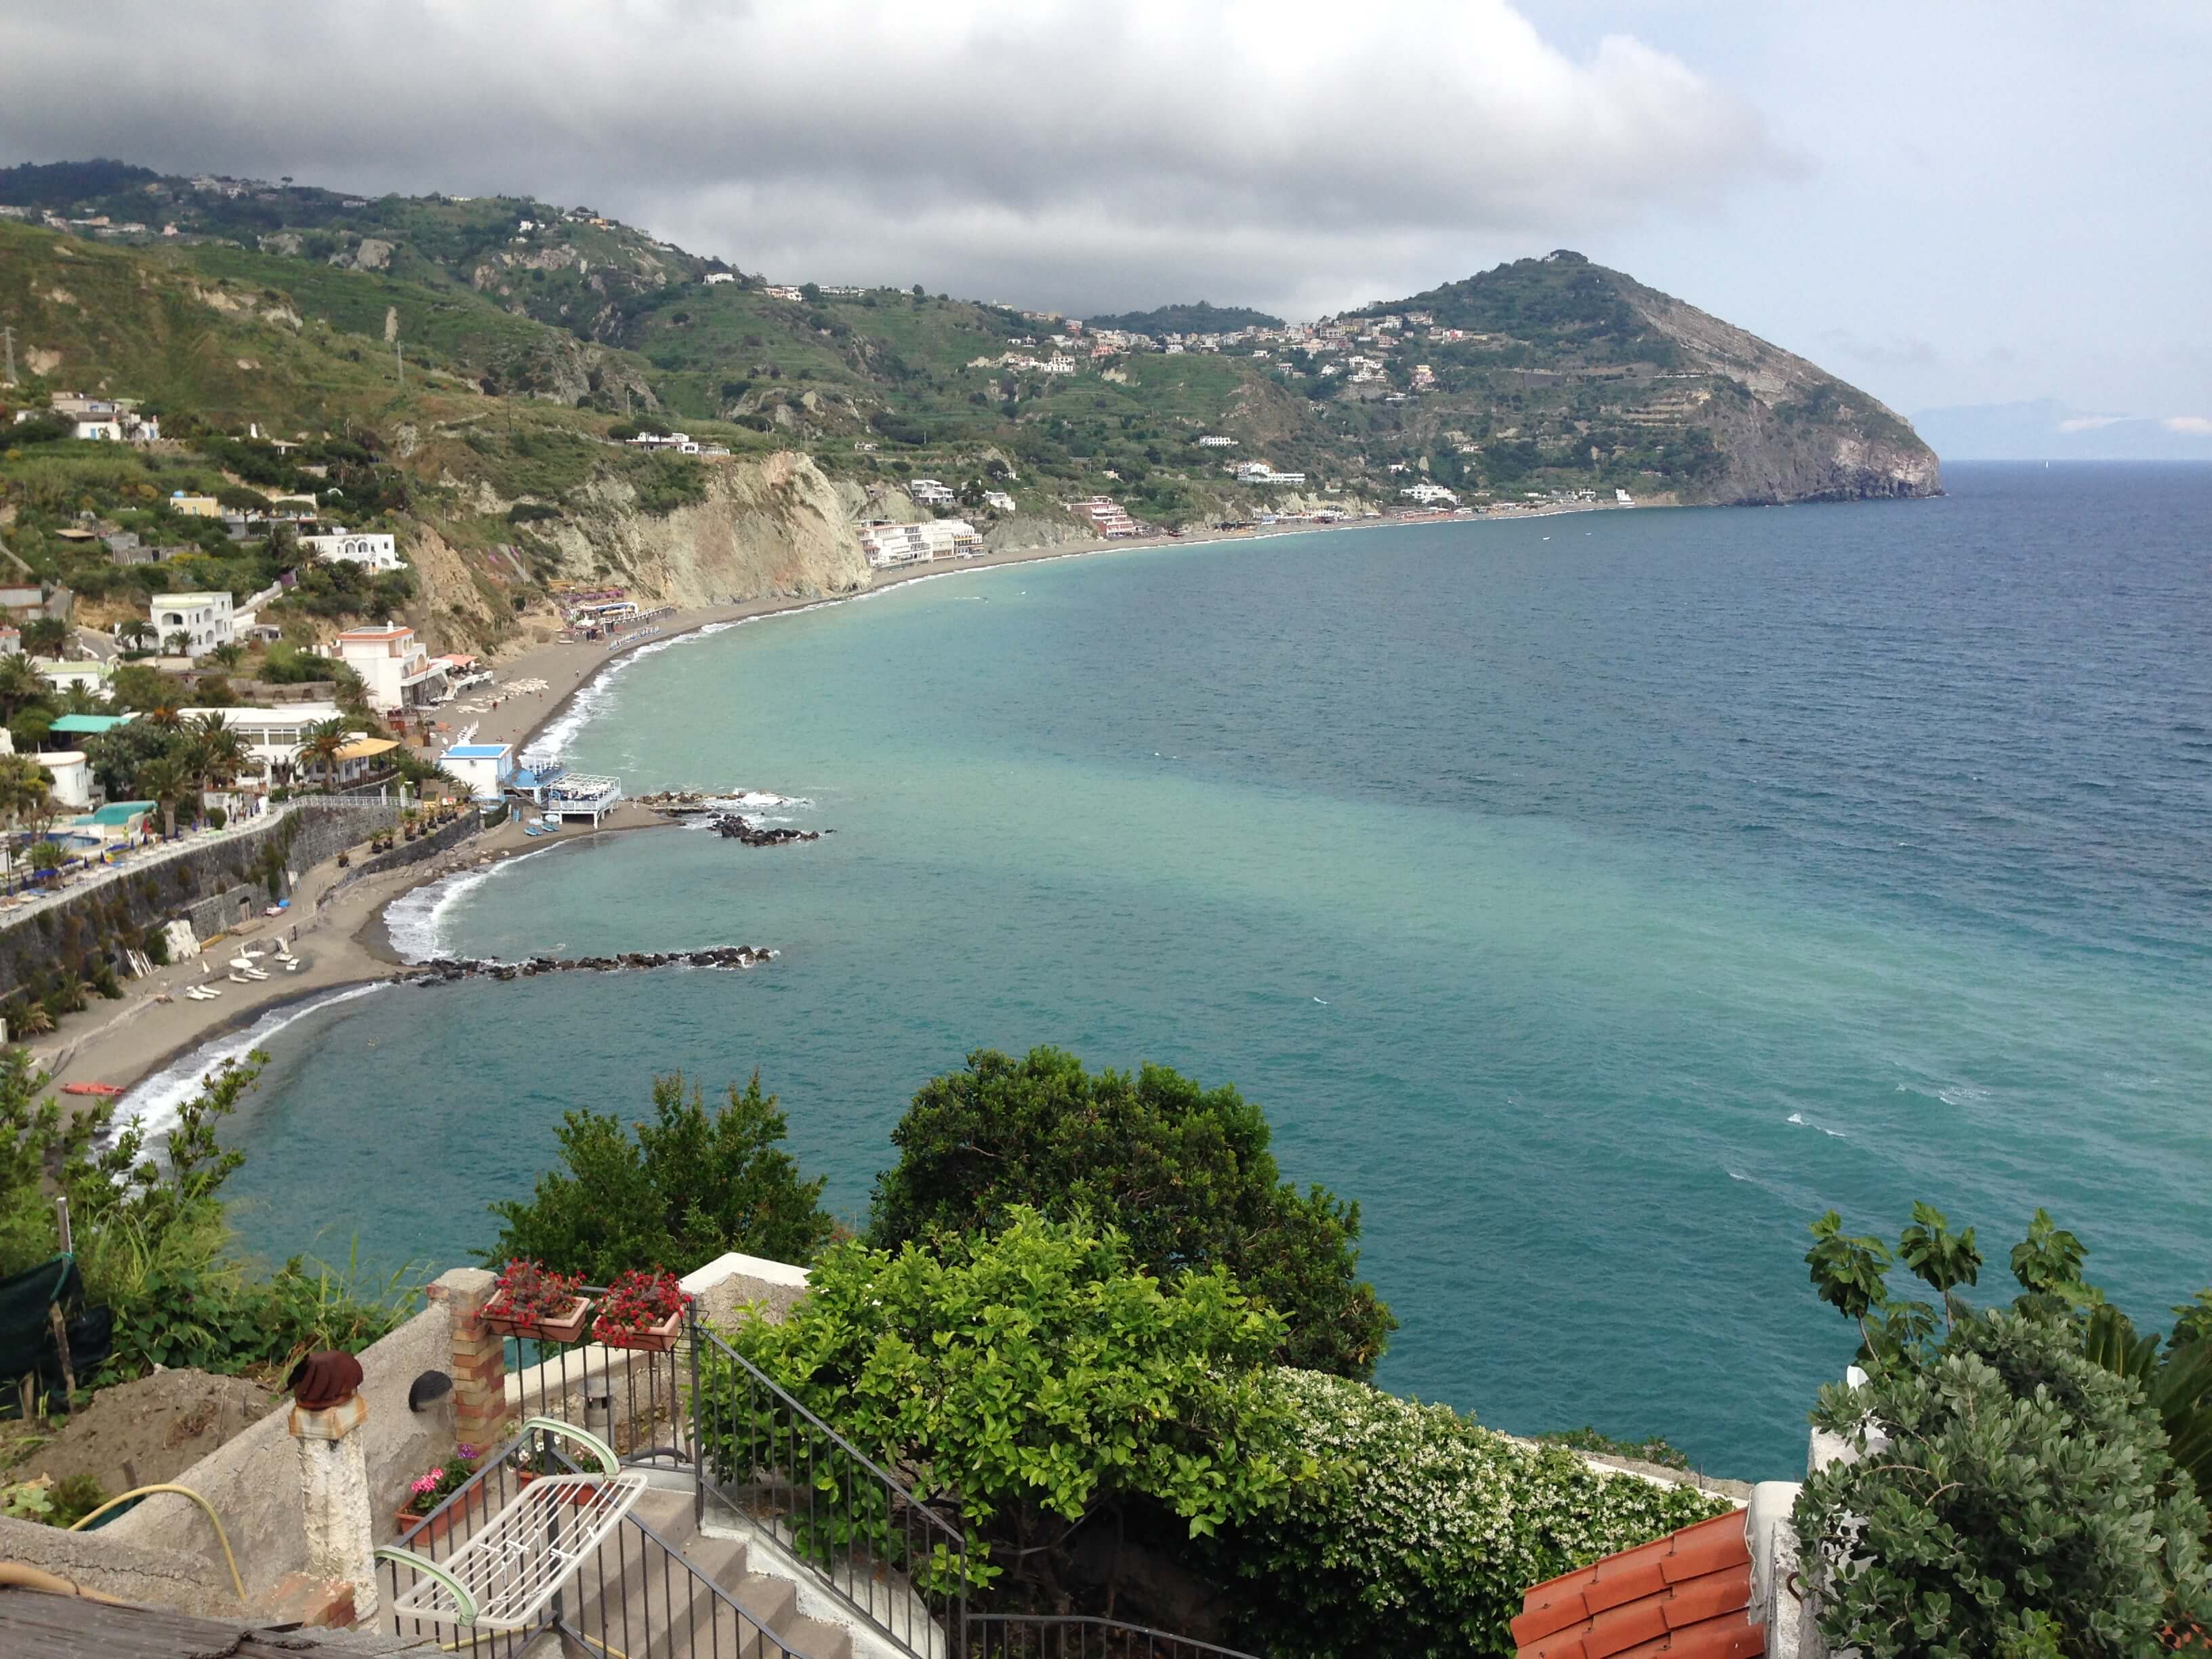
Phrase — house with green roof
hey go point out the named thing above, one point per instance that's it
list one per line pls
(87, 726)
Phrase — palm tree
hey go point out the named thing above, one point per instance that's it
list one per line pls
(136, 636)
(325, 739)
(164, 714)
(21, 685)
(45, 636)
(34, 1020)
(179, 644)
(162, 781)
(81, 699)
(228, 654)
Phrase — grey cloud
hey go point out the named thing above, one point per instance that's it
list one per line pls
(1077, 153)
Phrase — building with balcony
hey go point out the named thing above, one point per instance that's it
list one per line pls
(398, 671)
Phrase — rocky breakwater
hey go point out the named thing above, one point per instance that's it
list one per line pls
(729, 826)
(447, 970)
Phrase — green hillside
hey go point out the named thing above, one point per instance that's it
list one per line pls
(1200, 318)
(470, 354)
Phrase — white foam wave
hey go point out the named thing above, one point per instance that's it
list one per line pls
(1794, 1117)
(152, 1104)
(414, 921)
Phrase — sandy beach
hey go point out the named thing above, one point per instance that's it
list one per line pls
(338, 929)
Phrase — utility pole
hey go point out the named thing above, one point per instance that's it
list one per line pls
(8, 338)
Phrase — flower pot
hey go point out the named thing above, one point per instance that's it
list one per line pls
(578, 1495)
(440, 1523)
(660, 1339)
(566, 1328)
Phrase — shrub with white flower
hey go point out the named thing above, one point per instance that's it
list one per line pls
(1416, 1531)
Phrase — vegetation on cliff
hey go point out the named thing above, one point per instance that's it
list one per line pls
(465, 362)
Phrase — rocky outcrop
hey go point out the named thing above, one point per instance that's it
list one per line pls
(772, 526)
(1787, 429)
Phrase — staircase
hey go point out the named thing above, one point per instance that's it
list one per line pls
(659, 1589)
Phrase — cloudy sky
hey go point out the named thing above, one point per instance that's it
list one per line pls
(1950, 202)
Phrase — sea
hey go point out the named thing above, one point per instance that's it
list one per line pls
(1594, 899)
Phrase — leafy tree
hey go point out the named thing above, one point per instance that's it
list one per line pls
(1030, 1380)
(1184, 1173)
(2008, 1495)
(673, 1193)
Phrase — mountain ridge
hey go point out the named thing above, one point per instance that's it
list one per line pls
(483, 350)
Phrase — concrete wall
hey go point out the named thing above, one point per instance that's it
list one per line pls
(410, 852)
(114, 913)
(134, 1572)
(253, 1481)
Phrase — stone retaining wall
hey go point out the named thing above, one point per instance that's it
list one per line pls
(209, 882)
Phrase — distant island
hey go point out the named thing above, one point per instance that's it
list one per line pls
(1200, 318)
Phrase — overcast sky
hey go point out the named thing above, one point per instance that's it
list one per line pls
(1946, 202)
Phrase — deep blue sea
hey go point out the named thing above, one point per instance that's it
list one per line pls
(1595, 899)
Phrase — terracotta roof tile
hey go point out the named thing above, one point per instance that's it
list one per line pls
(1686, 1595)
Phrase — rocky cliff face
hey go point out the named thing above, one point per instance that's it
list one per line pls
(1793, 432)
(773, 526)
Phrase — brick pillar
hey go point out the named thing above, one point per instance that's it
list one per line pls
(479, 1357)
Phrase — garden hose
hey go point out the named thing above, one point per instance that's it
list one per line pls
(215, 1521)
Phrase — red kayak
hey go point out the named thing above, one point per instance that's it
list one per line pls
(105, 1089)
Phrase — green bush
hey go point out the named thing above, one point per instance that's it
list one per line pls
(152, 1240)
(2021, 1501)
(1416, 1531)
(1186, 1174)
(689, 1187)
(1027, 1383)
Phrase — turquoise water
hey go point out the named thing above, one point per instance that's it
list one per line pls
(1594, 899)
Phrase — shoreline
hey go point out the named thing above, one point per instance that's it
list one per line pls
(345, 938)
(536, 662)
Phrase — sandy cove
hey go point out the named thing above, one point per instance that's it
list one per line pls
(340, 931)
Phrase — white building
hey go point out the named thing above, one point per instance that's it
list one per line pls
(378, 552)
(69, 776)
(203, 619)
(998, 500)
(1431, 495)
(92, 676)
(1212, 441)
(887, 544)
(930, 492)
(715, 277)
(1622, 498)
(394, 665)
(274, 737)
(1260, 472)
(1057, 364)
(483, 767)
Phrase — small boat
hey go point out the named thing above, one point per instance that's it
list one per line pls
(104, 1090)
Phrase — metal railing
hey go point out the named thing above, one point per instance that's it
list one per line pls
(876, 1546)
(1047, 1636)
(635, 1596)
(895, 1564)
